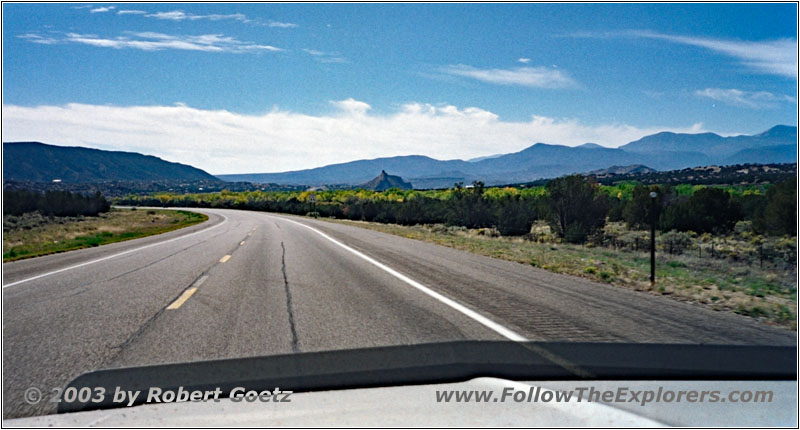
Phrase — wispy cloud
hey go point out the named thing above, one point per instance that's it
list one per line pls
(524, 60)
(747, 99)
(326, 57)
(131, 12)
(151, 41)
(236, 143)
(279, 24)
(179, 15)
(535, 77)
(778, 57)
(35, 38)
(102, 9)
(775, 57)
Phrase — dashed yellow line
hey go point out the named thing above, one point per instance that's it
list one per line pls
(182, 299)
(225, 258)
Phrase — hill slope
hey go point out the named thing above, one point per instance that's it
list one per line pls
(384, 181)
(39, 162)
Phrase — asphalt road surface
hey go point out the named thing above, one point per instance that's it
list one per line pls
(252, 284)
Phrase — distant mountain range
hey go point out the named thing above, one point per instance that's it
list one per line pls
(661, 151)
(28, 162)
(38, 162)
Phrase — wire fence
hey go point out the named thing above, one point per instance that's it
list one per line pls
(765, 253)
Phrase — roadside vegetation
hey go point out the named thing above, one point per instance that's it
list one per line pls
(730, 247)
(33, 234)
(513, 210)
(53, 203)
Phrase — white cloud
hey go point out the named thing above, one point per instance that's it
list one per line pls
(150, 41)
(131, 12)
(535, 77)
(102, 9)
(524, 60)
(352, 106)
(220, 141)
(748, 99)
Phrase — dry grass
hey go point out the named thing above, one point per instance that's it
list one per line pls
(33, 235)
(769, 295)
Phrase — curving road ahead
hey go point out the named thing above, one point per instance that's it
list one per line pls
(252, 283)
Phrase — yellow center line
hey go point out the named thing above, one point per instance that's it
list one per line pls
(225, 258)
(182, 299)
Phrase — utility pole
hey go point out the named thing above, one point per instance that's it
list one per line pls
(653, 196)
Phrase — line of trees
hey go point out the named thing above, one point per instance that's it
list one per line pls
(713, 210)
(53, 203)
(575, 207)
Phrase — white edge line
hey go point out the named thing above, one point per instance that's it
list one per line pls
(225, 219)
(503, 331)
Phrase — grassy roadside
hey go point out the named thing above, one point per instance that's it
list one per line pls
(32, 235)
(767, 295)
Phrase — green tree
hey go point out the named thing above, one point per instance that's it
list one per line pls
(641, 210)
(514, 216)
(780, 213)
(577, 207)
(707, 210)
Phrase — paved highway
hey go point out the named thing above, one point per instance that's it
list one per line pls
(251, 284)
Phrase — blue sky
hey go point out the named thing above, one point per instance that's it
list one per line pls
(269, 87)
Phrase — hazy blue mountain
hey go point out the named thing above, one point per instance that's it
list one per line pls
(38, 162)
(711, 144)
(661, 151)
(765, 155)
(780, 132)
(356, 172)
(543, 161)
(384, 181)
